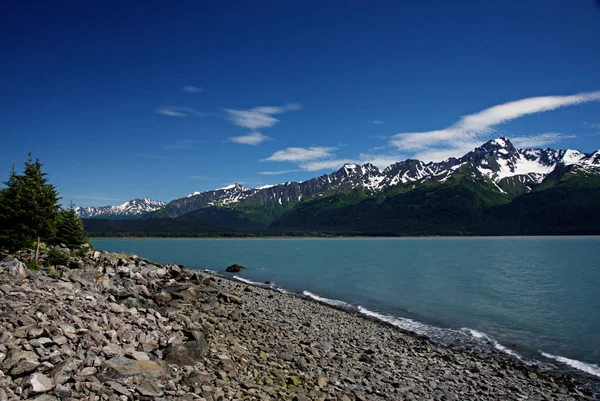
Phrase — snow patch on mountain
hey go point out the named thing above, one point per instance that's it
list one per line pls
(133, 208)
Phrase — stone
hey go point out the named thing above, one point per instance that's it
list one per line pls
(227, 365)
(139, 356)
(15, 268)
(119, 388)
(45, 397)
(122, 367)
(112, 350)
(62, 391)
(230, 298)
(87, 277)
(65, 370)
(186, 354)
(148, 389)
(20, 362)
(39, 383)
(234, 268)
(162, 297)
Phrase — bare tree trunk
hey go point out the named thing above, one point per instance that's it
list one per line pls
(37, 249)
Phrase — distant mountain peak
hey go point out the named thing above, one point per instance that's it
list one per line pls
(131, 209)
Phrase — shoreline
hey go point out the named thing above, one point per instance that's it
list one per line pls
(486, 347)
(256, 342)
(424, 237)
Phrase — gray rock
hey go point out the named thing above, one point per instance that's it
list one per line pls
(39, 383)
(87, 277)
(15, 268)
(65, 370)
(148, 389)
(188, 353)
(20, 362)
(122, 367)
(62, 391)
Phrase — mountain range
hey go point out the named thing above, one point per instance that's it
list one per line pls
(407, 197)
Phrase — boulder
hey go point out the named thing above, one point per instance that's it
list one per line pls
(122, 367)
(188, 353)
(234, 268)
(14, 267)
(87, 276)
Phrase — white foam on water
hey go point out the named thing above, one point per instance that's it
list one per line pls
(403, 323)
(482, 336)
(328, 301)
(590, 368)
(245, 280)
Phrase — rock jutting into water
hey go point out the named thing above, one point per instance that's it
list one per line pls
(234, 268)
(127, 328)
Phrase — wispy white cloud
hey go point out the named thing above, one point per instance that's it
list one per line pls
(534, 141)
(258, 117)
(380, 161)
(253, 138)
(191, 89)
(278, 172)
(174, 111)
(183, 144)
(376, 122)
(166, 111)
(300, 154)
(592, 125)
(469, 129)
(323, 158)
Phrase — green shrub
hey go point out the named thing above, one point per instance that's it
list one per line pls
(54, 273)
(56, 257)
(33, 265)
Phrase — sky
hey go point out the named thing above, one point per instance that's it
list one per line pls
(124, 100)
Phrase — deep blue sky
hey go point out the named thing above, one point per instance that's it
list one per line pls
(96, 89)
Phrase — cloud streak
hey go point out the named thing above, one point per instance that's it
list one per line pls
(323, 158)
(191, 89)
(258, 117)
(467, 131)
(300, 154)
(278, 172)
(174, 111)
(535, 141)
(253, 138)
(376, 122)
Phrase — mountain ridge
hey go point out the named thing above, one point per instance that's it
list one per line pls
(497, 162)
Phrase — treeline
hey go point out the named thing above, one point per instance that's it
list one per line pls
(30, 213)
(459, 210)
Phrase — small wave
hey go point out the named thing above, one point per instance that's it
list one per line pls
(584, 367)
(482, 336)
(245, 280)
(328, 301)
(403, 323)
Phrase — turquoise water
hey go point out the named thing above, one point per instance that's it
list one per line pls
(537, 298)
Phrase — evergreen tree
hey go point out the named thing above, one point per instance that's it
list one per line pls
(28, 208)
(69, 228)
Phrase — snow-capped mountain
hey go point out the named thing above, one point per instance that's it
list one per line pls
(222, 196)
(507, 169)
(131, 209)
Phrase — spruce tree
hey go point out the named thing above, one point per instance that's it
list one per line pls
(69, 228)
(28, 208)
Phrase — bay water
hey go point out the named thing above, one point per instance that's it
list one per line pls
(534, 298)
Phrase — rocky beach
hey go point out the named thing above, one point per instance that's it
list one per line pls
(120, 327)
